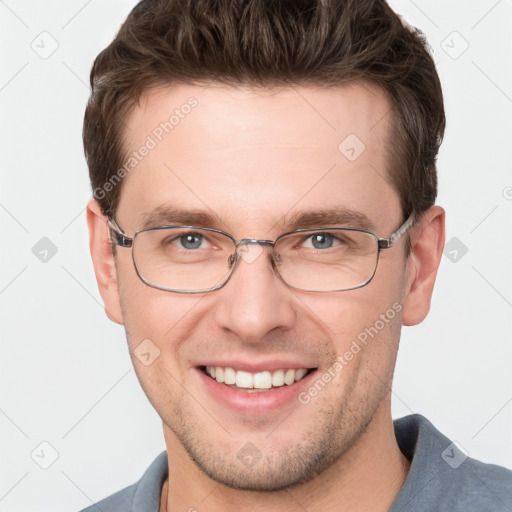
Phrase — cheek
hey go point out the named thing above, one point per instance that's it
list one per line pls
(156, 324)
(363, 325)
(344, 315)
(148, 313)
(161, 323)
(158, 315)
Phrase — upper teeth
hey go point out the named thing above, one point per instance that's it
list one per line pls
(259, 380)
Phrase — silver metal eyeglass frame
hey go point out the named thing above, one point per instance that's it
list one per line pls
(122, 240)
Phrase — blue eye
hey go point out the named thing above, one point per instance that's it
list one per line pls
(191, 240)
(322, 240)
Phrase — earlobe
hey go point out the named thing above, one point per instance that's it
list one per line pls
(427, 241)
(103, 261)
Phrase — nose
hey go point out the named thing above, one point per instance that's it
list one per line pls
(254, 301)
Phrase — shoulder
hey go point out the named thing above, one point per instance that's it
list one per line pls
(142, 496)
(443, 477)
(121, 500)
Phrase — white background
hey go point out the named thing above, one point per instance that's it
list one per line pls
(66, 377)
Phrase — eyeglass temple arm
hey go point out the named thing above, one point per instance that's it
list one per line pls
(117, 236)
(386, 243)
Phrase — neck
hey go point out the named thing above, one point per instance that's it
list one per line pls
(368, 477)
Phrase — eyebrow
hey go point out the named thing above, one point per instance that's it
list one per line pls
(342, 217)
(166, 215)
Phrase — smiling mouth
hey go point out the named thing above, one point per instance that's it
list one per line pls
(255, 382)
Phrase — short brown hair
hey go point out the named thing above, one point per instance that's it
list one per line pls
(267, 43)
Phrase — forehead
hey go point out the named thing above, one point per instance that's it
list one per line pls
(251, 156)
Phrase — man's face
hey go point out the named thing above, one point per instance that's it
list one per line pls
(254, 160)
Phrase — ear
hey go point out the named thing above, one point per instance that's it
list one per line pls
(427, 241)
(103, 261)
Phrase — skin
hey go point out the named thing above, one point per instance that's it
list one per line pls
(253, 158)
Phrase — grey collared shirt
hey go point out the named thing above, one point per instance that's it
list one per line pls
(441, 478)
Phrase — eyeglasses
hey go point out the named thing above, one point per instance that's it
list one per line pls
(188, 259)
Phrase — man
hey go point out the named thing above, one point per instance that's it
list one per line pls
(263, 224)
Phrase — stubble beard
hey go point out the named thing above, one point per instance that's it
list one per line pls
(332, 434)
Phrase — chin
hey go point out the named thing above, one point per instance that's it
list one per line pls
(266, 475)
(271, 469)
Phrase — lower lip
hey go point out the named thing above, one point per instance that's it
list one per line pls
(254, 402)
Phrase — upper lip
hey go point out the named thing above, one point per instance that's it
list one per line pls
(255, 367)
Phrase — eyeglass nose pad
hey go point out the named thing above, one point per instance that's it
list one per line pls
(232, 259)
(276, 257)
